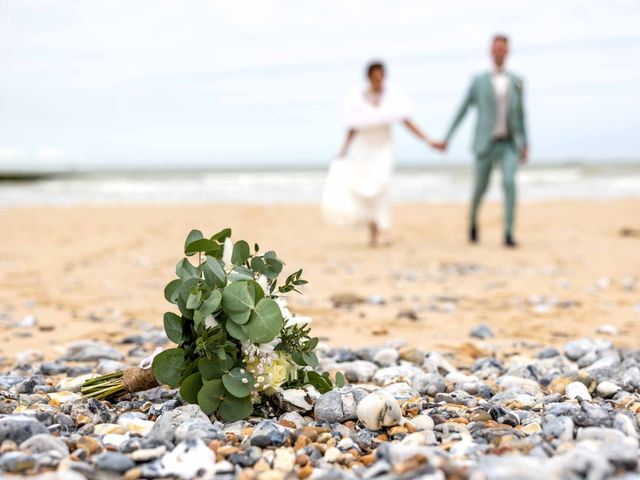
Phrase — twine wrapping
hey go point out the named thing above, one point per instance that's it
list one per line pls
(138, 379)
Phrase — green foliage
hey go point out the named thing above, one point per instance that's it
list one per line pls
(220, 305)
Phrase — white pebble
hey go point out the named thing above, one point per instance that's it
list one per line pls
(577, 390)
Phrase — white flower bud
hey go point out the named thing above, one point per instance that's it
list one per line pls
(245, 381)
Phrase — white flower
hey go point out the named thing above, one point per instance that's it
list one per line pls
(267, 348)
(210, 321)
(227, 251)
(147, 361)
(282, 303)
(263, 281)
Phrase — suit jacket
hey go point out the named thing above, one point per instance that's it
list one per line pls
(481, 95)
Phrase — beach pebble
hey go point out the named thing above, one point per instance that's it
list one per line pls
(608, 329)
(166, 424)
(17, 462)
(607, 389)
(577, 390)
(422, 422)
(113, 462)
(190, 459)
(19, 428)
(481, 331)
(90, 350)
(45, 443)
(379, 409)
(297, 399)
(358, 371)
(338, 405)
(269, 434)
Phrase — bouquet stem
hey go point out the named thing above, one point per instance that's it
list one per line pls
(116, 384)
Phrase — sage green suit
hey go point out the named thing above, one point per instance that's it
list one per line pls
(489, 150)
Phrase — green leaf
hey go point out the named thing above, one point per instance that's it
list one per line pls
(185, 270)
(222, 235)
(236, 331)
(194, 299)
(233, 409)
(182, 306)
(192, 237)
(311, 344)
(340, 381)
(321, 383)
(168, 365)
(265, 322)
(214, 273)
(204, 245)
(173, 326)
(187, 287)
(238, 298)
(214, 367)
(241, 253)
(211, 304)
(258, 265)
(172, 290)
(239, 274)
(210, 396)
(310, 358)
(238, 382)
(190, 387)
(273, 267)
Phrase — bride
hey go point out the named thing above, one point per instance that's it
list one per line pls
(370, 113)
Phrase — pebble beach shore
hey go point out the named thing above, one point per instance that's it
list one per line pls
(520, 412)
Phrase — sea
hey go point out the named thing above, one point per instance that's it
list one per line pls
(438, 184)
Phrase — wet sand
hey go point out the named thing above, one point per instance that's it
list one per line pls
(98, 272)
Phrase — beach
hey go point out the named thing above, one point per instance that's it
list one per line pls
(98, 272)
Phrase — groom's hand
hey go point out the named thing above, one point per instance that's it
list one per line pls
(441, 146)
(524, 155)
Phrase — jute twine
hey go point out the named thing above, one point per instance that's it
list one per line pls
(138, 379)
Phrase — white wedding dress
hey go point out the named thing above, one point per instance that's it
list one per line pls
(357, 190)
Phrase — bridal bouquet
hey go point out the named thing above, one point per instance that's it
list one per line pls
(236, 340)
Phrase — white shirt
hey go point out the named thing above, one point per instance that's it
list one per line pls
(500, 82)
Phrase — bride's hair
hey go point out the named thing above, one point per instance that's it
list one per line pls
(375, 65)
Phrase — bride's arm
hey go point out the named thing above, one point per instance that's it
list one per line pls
(413, 128)
(347, 142)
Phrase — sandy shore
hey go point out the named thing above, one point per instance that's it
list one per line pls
(99, 272)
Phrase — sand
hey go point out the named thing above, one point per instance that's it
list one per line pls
(98, 272)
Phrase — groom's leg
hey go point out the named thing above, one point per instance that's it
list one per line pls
(482, 174)
(509, 167)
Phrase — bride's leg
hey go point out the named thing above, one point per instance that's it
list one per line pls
(374, 233)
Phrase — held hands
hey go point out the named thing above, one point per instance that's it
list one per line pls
(524, 155)
(438, 145)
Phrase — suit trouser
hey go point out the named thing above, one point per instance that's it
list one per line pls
(503, 153)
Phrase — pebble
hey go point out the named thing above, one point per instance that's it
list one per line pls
(481, 331)
(379, 409)
(577, 390)
(523, 411)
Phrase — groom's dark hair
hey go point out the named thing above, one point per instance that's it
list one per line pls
(500, 37)
(376, 65)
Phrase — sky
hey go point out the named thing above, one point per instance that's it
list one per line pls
(176, 84)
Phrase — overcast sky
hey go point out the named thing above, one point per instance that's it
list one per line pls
(205, 82)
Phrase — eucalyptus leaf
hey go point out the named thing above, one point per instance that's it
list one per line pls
(211, 304)
(222, 235)
(241, 253)
(190, 387)
(173, 326)
(265, 322)
(168, 366)
(310, 358)
(214, 368)
(210, 396)
(194, 299)
(184, 270)
(187, 287)
(236, 331)
(186, 312)
(172, 290)
(240, 273)
(214, 273)
(238, 298)
(203, 245)
(238, 382)
(340, 380)
(233, 409)
(192, 237)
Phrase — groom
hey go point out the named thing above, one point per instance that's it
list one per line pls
(500, 134)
